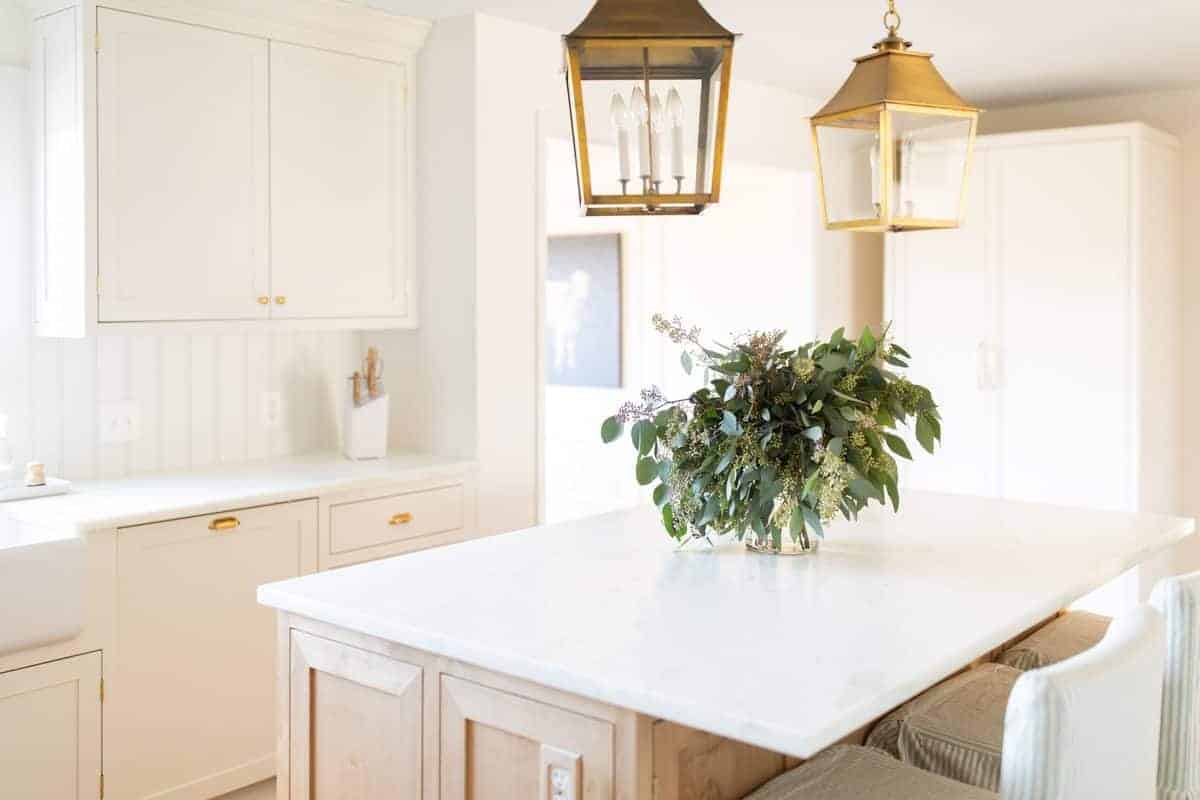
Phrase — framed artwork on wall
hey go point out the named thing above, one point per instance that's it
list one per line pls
(583, 311)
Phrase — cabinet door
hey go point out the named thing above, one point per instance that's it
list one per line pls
(339, 180)
(58, 218)
(50, 730)
(354, 724)
(499, 746)
(191, 700)
(1066, 391)
(183, 171)
(940, 301)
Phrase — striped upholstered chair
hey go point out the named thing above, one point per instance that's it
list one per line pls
(1083, 729)
(956, 729)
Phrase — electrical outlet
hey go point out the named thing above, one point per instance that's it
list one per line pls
(120, 423)
(272, 410)
(560, 774)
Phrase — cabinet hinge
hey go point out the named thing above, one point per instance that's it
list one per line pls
(101, 786)
(97, 41)
(102, 690)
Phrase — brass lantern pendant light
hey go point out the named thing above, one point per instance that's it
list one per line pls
(894, 144)
(648, 87)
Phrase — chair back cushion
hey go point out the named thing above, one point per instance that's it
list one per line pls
(1178, 600)
(1087, 727)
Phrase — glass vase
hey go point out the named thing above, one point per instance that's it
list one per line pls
(803, 543)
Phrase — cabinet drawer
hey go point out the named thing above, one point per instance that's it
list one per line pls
(394, 519)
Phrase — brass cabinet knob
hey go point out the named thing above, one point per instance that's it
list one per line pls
(280, 300)
(264, 300)
(224, 524)
(400, 519)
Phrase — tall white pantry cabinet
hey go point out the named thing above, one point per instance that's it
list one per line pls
(1049, 326)
(214, 162)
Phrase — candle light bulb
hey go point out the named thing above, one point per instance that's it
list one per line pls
(675, 108)
(640, 112)
(622, 120)
(619, 113)
(658, 118)
(638, 107)
(675, 113)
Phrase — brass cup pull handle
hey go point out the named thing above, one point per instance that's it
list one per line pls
(400, 519)
(224, 524)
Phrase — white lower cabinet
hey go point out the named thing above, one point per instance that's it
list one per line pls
(50, 730)
(192, 678)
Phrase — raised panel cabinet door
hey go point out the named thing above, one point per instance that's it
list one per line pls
(941, 298)
(59, 287)
(1067, 391)
(339, 185)
(183, 171)
(191, 701)
(355, 723)
(50, 730)
(500, 746)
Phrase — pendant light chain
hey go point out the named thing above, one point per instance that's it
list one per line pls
(891, 19)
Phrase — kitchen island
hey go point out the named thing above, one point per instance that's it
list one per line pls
(594, 659)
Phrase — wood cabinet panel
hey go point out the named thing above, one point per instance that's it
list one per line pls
(193, 676)
(396, 518)
(355, 723)
(183, 171)
(50, 730)
(339, 185)
(500, 746)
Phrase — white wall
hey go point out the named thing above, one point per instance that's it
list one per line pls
(14, 33)
(1178, 113)
(745, 264)
(200, 397)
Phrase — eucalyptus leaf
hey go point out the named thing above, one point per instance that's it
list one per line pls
(729, 424)
(610, 431)
(925, 433)
(897, 445)
(647, 471)
(643, 434)
(685, 359)
(833, 362)
(661, 494)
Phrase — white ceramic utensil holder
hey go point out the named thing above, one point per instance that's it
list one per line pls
(366, 430)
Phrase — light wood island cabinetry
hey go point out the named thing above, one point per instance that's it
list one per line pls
(592, 660)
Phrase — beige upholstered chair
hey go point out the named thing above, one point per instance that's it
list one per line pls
(956, 729)
(1083, 729)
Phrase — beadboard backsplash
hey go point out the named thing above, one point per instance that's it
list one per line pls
(200, 398)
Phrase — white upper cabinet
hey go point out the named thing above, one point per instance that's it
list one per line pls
(208, 164)
(183, 192)
(59, 282)
(339, 185)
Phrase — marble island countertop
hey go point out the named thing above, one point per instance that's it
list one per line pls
(136, 500)
(790, 654)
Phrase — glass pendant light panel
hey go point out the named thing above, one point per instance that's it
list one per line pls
(931, 152)
(651, 119)
(850, 157)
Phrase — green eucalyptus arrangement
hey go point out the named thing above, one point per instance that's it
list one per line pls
(778, 440)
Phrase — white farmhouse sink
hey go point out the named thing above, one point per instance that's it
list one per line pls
(41, 584)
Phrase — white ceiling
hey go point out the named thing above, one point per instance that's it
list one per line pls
(993, 53)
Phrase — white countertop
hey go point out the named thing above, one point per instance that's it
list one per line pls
(789, 654)
(95, 505)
